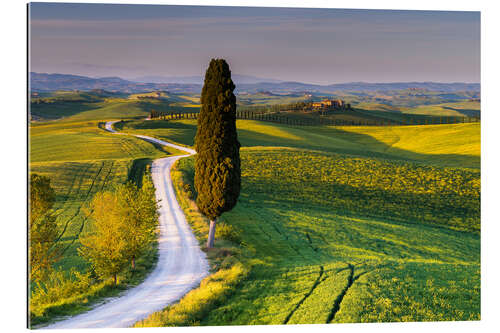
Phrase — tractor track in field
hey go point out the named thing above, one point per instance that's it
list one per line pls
(80, 207)
(86, 198)
(315, 284)
(340, 297)
(181, 263)
(351, 279)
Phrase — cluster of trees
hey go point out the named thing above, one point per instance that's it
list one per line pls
(172, 115)
(304, 106)
(154, 114)
(259, 109)
(123, 225)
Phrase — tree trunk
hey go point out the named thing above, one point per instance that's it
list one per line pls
(114, 278)
(133, 263)
(211, 234)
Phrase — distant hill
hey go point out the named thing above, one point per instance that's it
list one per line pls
(41, 82)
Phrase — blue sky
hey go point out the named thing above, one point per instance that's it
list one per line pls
(308, 45)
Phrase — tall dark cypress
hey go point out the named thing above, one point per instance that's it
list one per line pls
(217, 162)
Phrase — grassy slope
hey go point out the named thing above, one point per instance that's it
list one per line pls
(452, 109)
(455, 145)
(93, 107)
(75, 141)
(448, 145)
(467, 108)
(109, 109)
(114, 109)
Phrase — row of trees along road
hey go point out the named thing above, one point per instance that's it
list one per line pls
(123, 225)
(217, 163)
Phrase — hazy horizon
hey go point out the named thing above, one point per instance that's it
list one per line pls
(317, 46)
(188, 76)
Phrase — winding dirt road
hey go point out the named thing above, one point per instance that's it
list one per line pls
(181, 263)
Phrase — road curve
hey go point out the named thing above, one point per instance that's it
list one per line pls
(181, 263)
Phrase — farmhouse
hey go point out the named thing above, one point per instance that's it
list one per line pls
(329, 104)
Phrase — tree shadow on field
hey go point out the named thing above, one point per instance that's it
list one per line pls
(57, 110)
(465, 112)
(336, 140)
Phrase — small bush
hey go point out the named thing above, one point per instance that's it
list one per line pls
(57, 287)
(228, 262)
(188, 190)
(227, 232)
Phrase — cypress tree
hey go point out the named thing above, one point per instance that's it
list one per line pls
(217, 162)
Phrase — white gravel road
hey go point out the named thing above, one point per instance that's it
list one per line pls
(181, 264)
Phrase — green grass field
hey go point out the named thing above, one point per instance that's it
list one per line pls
(456, 145)
(315, 262)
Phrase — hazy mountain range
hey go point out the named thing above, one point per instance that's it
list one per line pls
(40, 82)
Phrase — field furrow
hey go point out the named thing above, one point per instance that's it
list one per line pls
(316, 283)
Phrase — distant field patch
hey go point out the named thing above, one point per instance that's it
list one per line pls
(449, 141)
(465, 108)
